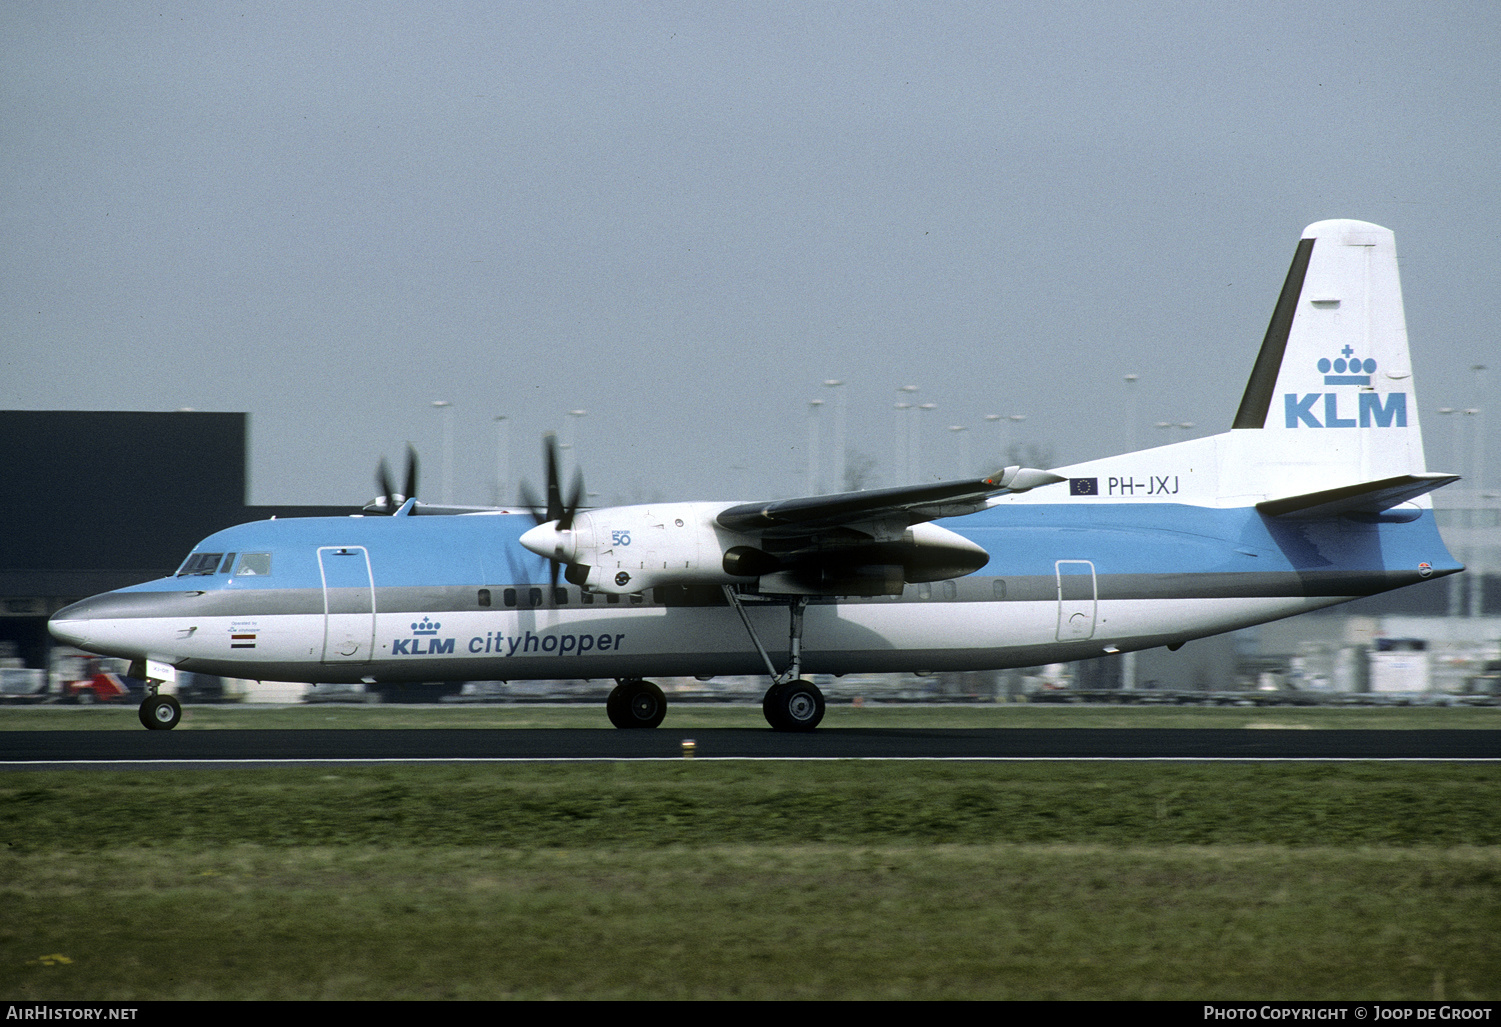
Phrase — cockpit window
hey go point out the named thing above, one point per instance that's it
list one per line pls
(200, 563)
(254, 563)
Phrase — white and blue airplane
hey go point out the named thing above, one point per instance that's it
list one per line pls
(1318, 494)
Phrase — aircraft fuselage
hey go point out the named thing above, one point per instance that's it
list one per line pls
(457, 598)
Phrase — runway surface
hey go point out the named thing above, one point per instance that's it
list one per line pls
(218, 748)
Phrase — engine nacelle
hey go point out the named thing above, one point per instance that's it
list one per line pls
(871, 567)
(625, 549)
(633, 548)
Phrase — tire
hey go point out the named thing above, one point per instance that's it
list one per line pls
(160, 713)
(615, 706)
(636, 704)
(769, 705)
(794, 706)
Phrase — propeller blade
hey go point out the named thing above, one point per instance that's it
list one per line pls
(558, 511)
(383, 485)
(529, 500)
(575, 497)
(411, 489)
(554, 492)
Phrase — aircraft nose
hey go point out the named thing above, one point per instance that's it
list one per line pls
(118, 623)
(71, 625)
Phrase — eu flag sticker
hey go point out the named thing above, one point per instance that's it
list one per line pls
(1084, 486)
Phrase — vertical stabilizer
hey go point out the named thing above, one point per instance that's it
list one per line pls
(1332, 387)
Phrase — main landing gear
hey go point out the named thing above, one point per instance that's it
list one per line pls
(793, 706)
(791, 703)
(636, 703)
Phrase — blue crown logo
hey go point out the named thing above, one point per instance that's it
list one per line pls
(1347, 371)
(426, 627)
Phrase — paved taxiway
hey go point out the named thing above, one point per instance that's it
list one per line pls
(131, 748)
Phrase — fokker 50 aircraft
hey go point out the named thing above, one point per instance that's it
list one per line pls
(1318, 494)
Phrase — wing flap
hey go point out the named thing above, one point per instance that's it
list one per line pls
(911, 503)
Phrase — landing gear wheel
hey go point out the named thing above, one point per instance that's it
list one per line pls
(636, 704)
(160, 712)
(793, 706)
(769, 703)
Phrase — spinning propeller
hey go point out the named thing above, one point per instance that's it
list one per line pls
(389, 501)
(553, 536)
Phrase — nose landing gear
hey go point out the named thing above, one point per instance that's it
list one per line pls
(157, 712)
(160, 712)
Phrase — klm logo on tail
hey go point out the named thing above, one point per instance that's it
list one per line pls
(1372, 409)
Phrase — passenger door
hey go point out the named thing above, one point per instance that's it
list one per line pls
(348, 604)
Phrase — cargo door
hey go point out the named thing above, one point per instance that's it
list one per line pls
(1076, 599)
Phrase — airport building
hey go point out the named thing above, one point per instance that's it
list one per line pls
(100, 500)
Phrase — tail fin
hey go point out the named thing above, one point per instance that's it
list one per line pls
(1332, 387)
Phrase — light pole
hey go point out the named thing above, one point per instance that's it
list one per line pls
(1477, 459)
(1478, 370)
(909, 407)
(959, 430)
(813, 405)
(1000, 438)
(839, 470)
(1473, 445)
(576, 417)
(917, 440)
(1456, 582)
(502, 457)
(447, 410)
(1454, 445)
(903, 442)
(1016, 420)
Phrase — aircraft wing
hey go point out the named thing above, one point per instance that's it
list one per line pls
(1366, 497)
(911, 504)
(413, 508)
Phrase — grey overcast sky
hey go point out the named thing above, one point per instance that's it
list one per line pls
(683, 217)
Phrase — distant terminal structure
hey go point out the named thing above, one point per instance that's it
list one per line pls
(97, 500)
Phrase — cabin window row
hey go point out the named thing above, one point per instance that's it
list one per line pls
(530, 598)
(950, 589)
(666, 595)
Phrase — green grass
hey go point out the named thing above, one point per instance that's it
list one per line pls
(992, 921)
(716, 880)
(691, 715)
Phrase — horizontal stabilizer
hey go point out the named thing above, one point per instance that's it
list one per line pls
(912, 503)
(1367, 497)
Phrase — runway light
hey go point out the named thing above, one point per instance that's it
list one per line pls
(689, 746)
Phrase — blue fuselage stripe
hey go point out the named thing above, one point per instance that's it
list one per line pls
(1023, 540)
